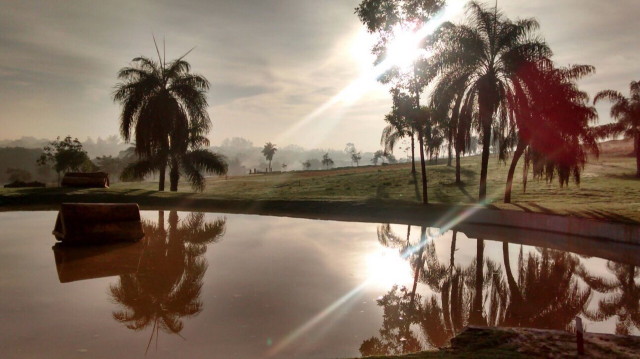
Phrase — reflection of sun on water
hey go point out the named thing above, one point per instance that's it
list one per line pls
(385, 267)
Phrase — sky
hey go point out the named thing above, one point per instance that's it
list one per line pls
(272, 63)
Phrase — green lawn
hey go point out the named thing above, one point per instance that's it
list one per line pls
(608, 189)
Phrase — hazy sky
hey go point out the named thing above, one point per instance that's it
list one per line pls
(271, 62)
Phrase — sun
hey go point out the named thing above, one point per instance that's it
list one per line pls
(404, 49)
(386, 267)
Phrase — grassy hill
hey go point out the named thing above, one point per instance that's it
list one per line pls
(608, 189)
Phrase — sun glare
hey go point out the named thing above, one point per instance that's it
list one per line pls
(404, 49)
(386, 267)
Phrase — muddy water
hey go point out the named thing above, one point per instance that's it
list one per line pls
(239, 286)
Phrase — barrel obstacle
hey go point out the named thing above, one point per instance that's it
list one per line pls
(86, 179)
(94, 223)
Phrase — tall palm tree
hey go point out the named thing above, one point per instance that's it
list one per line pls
(161, 102)
(268, 151)
(626, 111)
(486, 55)
(552, 118)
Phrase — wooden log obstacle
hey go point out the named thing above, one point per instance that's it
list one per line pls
(86, 180)
(88, 262)
(91, 223)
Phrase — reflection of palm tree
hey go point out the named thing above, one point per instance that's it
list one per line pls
(441, 323)
(476, 317)
(543, 292)
(625, 303)
(166, 287)
(547, 294)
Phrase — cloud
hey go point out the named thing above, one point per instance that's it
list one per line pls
(270, 62)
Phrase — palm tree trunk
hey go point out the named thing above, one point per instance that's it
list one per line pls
(486, 144)
(512, 168)
(516, 296)
(163, 170)
(419, 264)
(174, 175)
(449, 150)
(458, 180)
(475, 317)
(453, 250)
(637, 149)
(447, 310)
(425, 197)
(413, 154)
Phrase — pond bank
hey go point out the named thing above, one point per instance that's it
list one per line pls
(482, 342)
(378, 211)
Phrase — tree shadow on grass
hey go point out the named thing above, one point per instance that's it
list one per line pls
(526, 209)
(465, 192)
(625, 176)
(461, 188)
(540, 208)
(603, 216)
(414, 177)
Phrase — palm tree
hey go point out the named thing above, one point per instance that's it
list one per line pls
(626, 110)
(191, 162)
(194, 160)
(552, 118)
(446, 98)
(268, 151)
(161, 102)
(484, 58)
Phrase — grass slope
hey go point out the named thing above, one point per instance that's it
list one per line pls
(608, 189)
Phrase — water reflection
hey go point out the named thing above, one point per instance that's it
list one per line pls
(544, 288)
(623, 300)
(160, 278)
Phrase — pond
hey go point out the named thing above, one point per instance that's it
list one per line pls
(242, 286)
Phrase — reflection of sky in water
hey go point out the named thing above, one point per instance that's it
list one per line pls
(270, 281)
